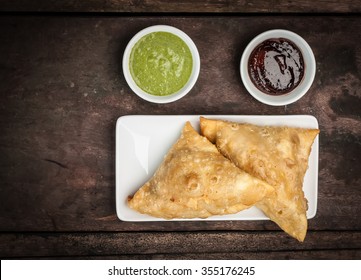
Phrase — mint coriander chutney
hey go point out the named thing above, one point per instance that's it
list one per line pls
(160, 63)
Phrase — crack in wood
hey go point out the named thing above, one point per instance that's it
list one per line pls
(56, 162)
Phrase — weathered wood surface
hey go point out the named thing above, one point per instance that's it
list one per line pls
(62, 90)
(175, 6)
(242, 244)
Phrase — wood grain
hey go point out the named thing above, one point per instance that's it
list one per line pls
(348, 254)
(184, 245)
(184, 6)
(62, 90)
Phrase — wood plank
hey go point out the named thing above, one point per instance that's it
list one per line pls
(185, 6)
(62, 90)
(187, 244)
(349, 254)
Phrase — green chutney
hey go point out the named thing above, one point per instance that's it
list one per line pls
(160, 63)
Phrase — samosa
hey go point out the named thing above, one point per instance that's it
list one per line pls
(196, 181)
(277, 155)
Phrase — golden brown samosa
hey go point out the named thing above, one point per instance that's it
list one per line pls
(277, 155)
(196, 181)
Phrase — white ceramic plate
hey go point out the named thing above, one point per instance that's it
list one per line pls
(142, 142)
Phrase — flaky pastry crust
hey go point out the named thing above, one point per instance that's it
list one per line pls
(196, 181)
(277, 155)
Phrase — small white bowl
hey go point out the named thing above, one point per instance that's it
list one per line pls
(303, 86)
(191, 81)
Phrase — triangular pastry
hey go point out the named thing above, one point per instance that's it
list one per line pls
(277, 155)
(196, 181)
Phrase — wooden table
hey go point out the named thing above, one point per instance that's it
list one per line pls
(62, 90)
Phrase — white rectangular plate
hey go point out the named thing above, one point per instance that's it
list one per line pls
(143, 141)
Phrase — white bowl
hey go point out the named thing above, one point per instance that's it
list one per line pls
(191, 81)
(309, 69)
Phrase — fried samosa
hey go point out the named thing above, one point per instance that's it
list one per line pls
(196, 181)
(276, 155)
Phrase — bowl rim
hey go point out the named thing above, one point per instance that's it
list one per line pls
(309, 69)
(195, 68)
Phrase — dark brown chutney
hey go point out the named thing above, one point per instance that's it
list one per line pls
(276, 66)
